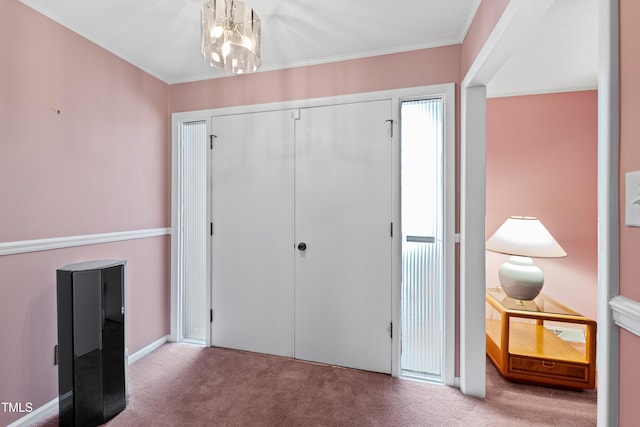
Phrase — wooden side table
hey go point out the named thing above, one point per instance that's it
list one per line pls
(541, 341)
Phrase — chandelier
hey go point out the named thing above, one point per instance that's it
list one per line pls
(231, 36)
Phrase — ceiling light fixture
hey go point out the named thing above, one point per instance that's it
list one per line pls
(231, 36)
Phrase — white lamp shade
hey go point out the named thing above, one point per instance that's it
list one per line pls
(525, 236)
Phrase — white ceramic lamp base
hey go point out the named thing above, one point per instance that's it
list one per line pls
(521, 278)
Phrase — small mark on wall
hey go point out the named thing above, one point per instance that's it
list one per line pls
(632, 211)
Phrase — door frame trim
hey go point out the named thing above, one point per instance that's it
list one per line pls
(517, 20)
(608, 338)
(447, 91)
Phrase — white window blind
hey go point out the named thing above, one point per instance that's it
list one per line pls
(193, 215)
(422, 139)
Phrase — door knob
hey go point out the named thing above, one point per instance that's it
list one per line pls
(302, 246)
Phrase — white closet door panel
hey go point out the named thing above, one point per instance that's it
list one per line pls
(343, 212)
(252, 247)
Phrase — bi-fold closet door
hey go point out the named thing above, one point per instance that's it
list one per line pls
(301, 249)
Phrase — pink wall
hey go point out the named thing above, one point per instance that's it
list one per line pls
(393, 71)
(629, 236)
(101, 165)
(112, 128)
(483, 23)
(542, 161)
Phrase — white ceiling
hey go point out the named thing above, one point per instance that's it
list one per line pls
(561, 54)
(162, 37)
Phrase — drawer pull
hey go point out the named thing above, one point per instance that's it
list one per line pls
(548, 364)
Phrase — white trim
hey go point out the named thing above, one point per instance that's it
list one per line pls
(176, 195)
(517, 20)
(542, 92)
(36, 415)
(210, 242)
(608, 348)
(449, 241)
(410, 92)
(52, 406)
(448, 92)
(472, 14)
(147, 350)
(626, 313)
(11, 248)
(472, 233)
(396, 242)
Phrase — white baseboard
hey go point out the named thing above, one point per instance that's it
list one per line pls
(52, 406)
(148, 349)
(37, 414)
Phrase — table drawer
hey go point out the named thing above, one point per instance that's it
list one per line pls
(560, 370)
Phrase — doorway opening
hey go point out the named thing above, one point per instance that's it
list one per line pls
(422, 216)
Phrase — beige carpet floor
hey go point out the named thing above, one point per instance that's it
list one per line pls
(184, 385)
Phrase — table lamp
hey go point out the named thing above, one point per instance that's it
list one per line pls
(523, 237)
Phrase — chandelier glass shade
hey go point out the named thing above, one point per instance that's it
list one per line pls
(231, 36)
